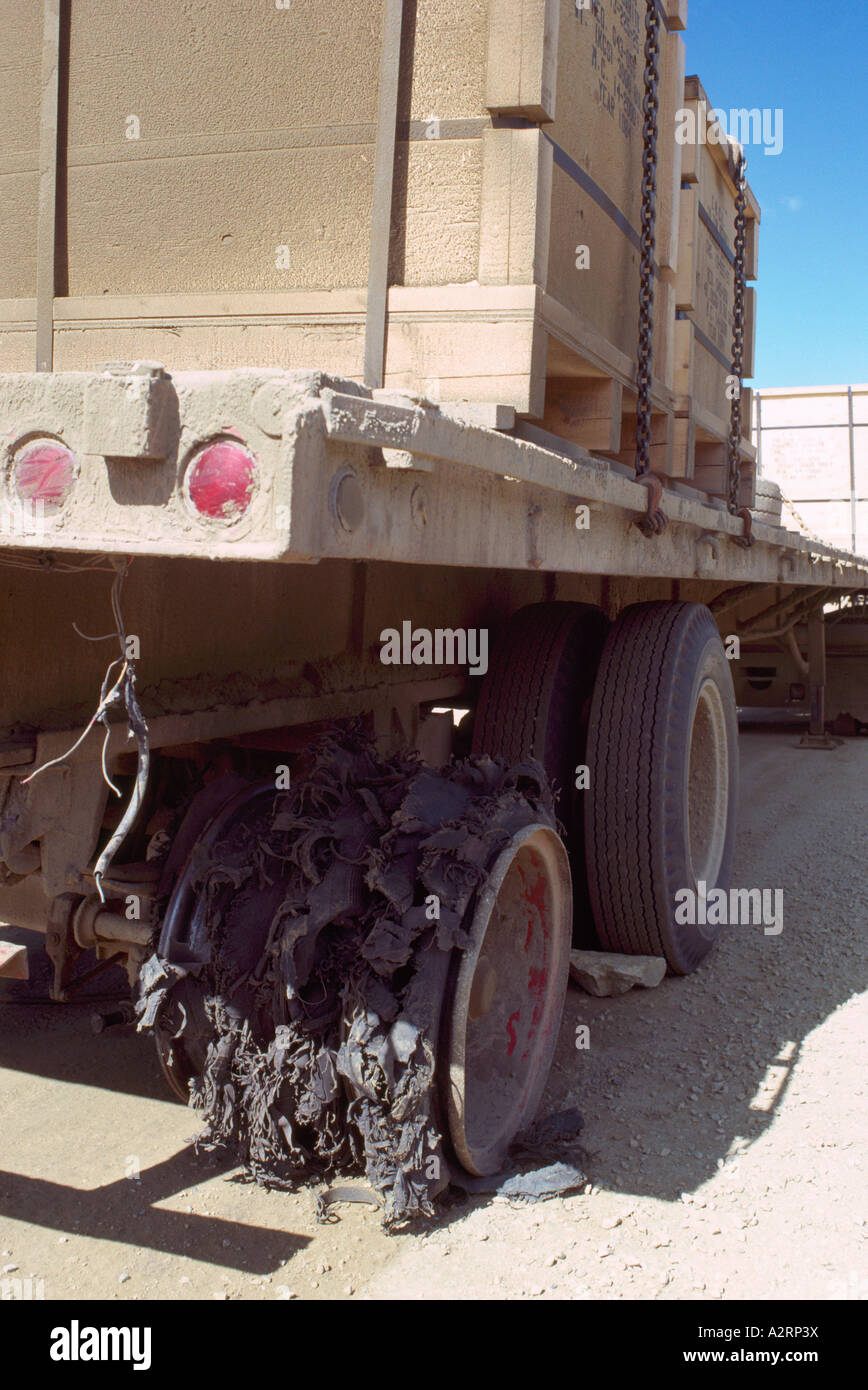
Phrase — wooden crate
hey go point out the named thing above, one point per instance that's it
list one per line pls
(813, 442)
(219, 213)
(587, 224)
(705, 291)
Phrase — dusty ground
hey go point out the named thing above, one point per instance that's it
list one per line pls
(725, 1124)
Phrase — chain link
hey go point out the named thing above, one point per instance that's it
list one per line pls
(654, 520)
(797, 517)
(650, 107)
(738, 333)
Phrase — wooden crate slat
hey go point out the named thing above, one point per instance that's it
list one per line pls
(515, 198)
(705, 297)
(521, 78)
(519, 138)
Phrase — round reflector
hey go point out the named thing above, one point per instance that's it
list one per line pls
(221, 481)
(44, 475)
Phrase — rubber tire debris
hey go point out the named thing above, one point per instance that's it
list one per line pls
(325, 988)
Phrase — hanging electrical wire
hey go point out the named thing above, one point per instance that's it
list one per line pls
(123, 689)
(47, 563)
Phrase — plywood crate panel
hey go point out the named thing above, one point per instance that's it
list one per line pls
(20, 85)
(706, 256)
(808, 447)
(701, 450)
(256, 132)
(219, 175)
(705, 295)
(832, 522)
(813, 464)
(597, 142)
(589, 165)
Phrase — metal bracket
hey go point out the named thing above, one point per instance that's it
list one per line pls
(816, 737)
(60, 944)
(654, 521)
(130, 412)
(748, 538)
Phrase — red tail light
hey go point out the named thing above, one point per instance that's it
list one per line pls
(220, 481)
(44, 476)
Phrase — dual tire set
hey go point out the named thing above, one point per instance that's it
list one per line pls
(646, 706)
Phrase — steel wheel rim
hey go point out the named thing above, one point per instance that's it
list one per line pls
(504, 1017)
(707, 785)
(182, 941)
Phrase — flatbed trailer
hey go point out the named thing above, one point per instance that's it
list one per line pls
(337, 714)
(242, 633)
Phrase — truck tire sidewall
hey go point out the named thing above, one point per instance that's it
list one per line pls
(566, 639)
(689, 943)
(659, 658)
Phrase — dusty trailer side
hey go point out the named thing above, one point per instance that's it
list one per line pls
(337, 712)
(376, 528)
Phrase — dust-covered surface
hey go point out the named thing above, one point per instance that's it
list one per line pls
(724, 1125)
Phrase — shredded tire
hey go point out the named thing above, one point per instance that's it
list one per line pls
(333, 918)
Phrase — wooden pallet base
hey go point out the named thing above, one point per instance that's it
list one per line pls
(599, 414)
(701, 456)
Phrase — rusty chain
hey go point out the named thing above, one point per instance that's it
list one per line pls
(653, 522)
(739, 275)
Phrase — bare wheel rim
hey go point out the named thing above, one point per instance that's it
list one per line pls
(708, 785)
(183, 940)
(508, 998)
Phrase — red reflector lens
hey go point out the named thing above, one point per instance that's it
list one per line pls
(221, 481)
(44, 476)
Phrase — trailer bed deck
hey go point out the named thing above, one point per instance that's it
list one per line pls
(346, 473)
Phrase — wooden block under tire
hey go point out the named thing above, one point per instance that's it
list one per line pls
(13, 961)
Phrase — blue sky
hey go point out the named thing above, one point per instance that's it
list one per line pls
(811, 60)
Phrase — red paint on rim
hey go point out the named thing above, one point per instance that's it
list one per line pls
(535, 896)
(221, 481)
(44, 473)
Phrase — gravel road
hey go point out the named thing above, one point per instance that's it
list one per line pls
(724, 1139)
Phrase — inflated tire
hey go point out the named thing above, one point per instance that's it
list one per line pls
(535, 702)
(662, 753)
